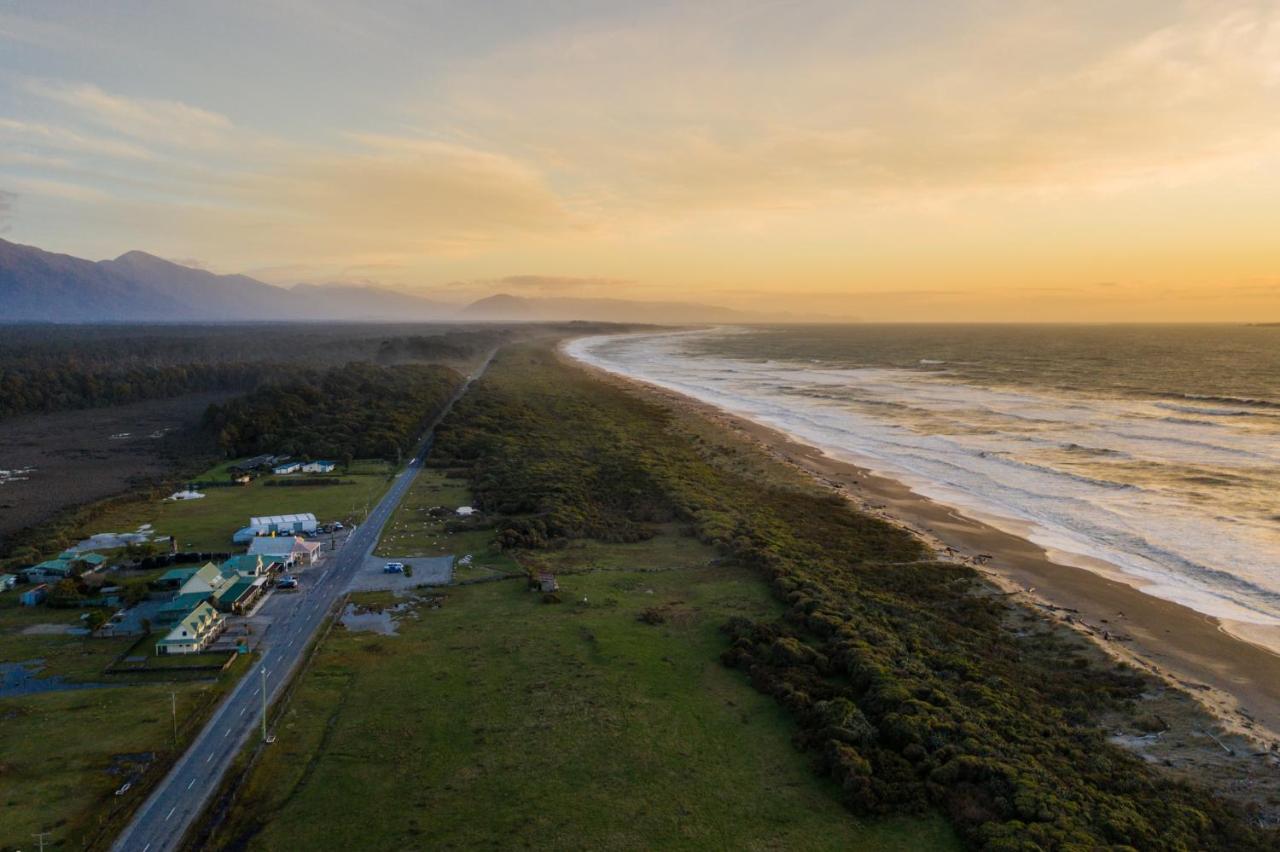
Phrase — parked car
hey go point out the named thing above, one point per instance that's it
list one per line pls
(287, 582)
(337, 525)
(393, 568)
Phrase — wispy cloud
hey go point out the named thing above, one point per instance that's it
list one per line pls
(157, 120)
(19, 132)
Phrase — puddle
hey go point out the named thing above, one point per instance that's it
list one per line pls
(359, 619)
(23, 678)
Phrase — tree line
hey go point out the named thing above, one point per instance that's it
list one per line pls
(354, 411)
(43, 371)
(910, 685)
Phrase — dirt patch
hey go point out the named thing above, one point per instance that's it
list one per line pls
(75, 457)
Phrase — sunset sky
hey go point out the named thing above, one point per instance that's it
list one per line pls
(879, 160)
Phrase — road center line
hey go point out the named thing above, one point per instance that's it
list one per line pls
(171, 810)
(192, 784)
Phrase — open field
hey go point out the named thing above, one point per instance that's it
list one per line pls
(79, 456)
(207, 524)
(497, 720)
(64, 753)
(412, 530)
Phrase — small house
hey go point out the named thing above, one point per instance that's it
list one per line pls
(173, 579)
(547, 582)
(291, 550)
(8, 581)
(35, 595)
(51, 569)
(319, 466)
(287, 467)
(90, 561)
(249, 565)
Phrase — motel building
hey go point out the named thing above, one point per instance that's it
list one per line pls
(193, 633)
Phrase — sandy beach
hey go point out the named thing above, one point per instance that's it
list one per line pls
(1236, 680)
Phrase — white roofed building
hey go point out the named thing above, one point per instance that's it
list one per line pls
(276, 524)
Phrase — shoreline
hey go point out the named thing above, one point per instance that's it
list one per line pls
(1236, 680)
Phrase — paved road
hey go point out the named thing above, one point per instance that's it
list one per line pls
(179, 799)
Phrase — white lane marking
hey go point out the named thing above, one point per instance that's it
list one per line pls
(145, 848)
(171, 810)
(192, 784)
(242, 709)
(227, 734)
(209, 758)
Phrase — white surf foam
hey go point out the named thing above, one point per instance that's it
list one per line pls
(1013, 458)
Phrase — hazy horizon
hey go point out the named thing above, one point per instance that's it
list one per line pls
(875, 162)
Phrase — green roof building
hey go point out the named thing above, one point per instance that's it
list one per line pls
(177, 609)
(195, 632)
(240, 596)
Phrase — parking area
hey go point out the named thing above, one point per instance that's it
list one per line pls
(422, 571)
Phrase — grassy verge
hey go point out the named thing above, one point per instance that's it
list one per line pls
(576, 725)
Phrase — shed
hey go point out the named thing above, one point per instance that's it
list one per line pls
(287, 467)
(319, 466)
(302, 522)
(8, 581)
(35, 595)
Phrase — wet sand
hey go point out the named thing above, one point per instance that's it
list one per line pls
(1236, 680)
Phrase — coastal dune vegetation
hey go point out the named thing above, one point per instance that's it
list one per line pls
(912, 685)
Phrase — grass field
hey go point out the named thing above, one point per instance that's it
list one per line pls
(63, 754)
(207, 524)
(498, 721)
(412, 531)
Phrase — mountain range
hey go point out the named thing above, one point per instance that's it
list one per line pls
(41, 286)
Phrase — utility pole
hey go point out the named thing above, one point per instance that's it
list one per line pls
(40, 838)
(264, 704)
(174, 695)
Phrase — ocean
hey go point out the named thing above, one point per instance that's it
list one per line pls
(1153, 452)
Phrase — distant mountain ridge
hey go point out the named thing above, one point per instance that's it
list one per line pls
(41, 286)
(504, 307)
